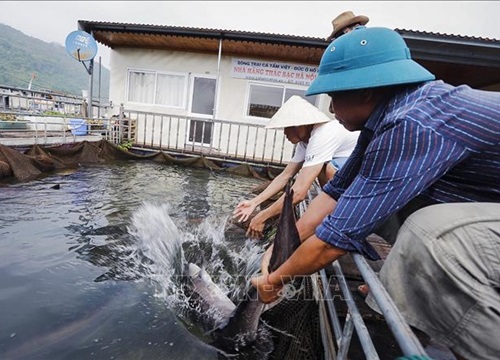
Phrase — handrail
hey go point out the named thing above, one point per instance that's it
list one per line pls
(220, 139)
(36, 102)
(51, 130)
(404, 335)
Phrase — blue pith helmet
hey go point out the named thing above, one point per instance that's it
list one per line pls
(367, 58)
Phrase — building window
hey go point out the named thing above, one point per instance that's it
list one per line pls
(149, 87)
(141, 86)
(265, 100)
(170, 90)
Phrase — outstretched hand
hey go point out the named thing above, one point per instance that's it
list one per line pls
(243, 210)
(256, 227)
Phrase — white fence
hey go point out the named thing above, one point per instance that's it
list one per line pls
(214, 138)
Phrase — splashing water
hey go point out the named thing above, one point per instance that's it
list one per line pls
(163, 246)
(158, 247)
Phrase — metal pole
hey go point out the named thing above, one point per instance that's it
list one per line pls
(361, 329)
(91, 83)
(99, 91)
(403, 334)
(214, 112)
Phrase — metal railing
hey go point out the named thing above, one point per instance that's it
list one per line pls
(32, 102)
(51, 130)
(218, 139)
(404, 336)
(30, 117)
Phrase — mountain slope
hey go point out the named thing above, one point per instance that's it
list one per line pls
(22, 55)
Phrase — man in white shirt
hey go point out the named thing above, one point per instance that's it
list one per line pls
(321, 144)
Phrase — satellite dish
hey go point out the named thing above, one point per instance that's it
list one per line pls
(81, 45)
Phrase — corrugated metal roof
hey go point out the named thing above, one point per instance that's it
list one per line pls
(135, 27)
(235, 43)
(203, 32)
(444, 36)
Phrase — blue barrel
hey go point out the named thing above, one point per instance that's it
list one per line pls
(78, 126)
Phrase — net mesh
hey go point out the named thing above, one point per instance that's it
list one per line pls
(295, 325)
(35, 161)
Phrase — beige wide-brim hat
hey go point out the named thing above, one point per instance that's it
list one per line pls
(344, 20)
(296, 112)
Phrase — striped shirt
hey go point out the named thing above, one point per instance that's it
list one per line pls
(432, 140)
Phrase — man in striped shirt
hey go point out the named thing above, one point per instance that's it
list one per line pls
(422, 142)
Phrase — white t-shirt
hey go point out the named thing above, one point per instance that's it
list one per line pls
(328, 140)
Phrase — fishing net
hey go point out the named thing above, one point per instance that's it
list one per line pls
(31, 163)
(289, 330)
(292, 324)
(295, 325)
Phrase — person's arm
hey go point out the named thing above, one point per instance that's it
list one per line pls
(321, 206)
(301, 186)
(246, 207)
(312, 255)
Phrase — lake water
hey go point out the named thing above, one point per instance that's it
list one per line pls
(87, 270)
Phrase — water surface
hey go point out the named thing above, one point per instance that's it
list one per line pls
(86, 270)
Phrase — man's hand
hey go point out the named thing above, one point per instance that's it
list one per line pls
(244, 209)
(267, 292)
(256, 227)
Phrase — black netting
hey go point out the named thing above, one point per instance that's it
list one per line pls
(37, 160)
(295, 325)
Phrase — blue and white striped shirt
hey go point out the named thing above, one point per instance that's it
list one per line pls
(434, 140)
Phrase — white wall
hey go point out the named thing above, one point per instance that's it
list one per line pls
(231, 99)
